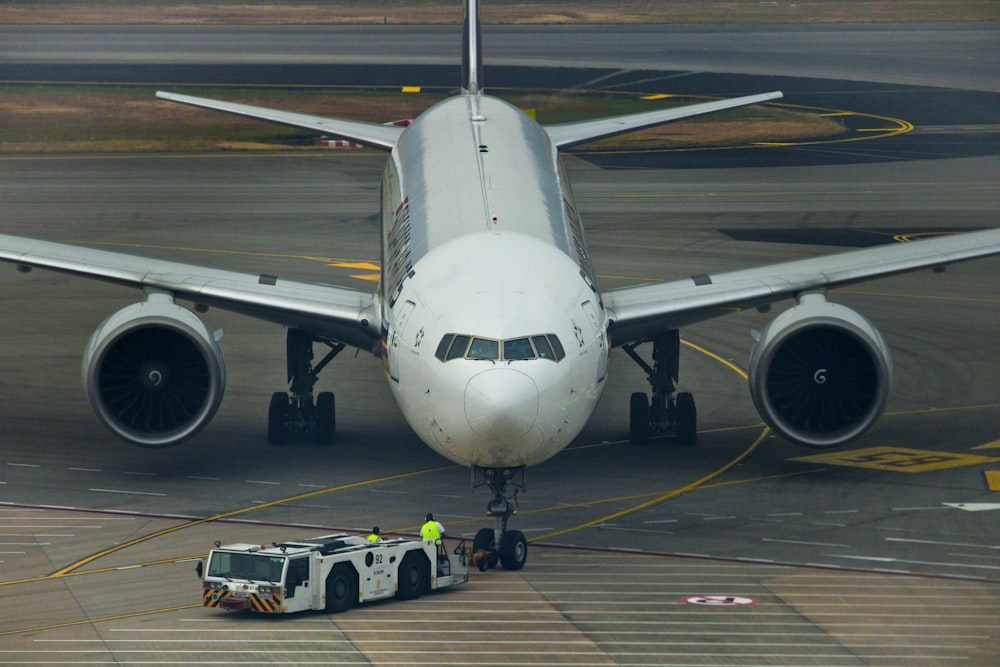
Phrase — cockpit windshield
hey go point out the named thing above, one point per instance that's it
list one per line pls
(540, 346)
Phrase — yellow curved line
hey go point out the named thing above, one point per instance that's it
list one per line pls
(89, 621)
(684, 489)
(666, 496)
(725, 362)
(89, 559)
(902, 127)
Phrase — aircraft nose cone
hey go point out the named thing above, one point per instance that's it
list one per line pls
(501, 404)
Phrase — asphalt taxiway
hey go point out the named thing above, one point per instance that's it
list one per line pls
(743, 550)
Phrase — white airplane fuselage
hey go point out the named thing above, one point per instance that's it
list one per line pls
(494, 336)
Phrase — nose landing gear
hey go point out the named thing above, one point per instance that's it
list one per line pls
(497, 544)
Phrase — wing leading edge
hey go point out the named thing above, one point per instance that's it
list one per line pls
(338, 313)
(640, 312)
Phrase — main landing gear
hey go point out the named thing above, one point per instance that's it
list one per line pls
(497, 544)
(668, 413)
(294, 413)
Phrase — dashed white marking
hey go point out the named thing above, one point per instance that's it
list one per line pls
(130, 493)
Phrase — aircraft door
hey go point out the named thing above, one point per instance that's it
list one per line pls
(598, 336)
(395, 343)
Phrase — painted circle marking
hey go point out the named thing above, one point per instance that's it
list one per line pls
(719, 600)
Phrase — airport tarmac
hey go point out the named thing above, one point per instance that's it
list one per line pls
(743, 550)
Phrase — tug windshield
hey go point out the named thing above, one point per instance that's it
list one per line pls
(255, 567)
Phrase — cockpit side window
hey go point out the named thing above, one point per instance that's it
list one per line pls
(458, 347)
(543, 347)
(557, 348)
(443, 346)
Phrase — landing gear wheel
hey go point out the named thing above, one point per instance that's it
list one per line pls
(412, 576)
(686, 426)
(638, 419)
(326, 419)
(341, 588)
(513, 550)
(277, 419)
(484, 541)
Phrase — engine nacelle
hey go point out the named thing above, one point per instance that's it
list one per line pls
(154, 373)
(820, 373)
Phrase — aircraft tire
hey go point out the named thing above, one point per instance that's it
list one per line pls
(277, 419)
(326, 418)
(513, 550)
(483, 541)
(687, 419)
(638, 419)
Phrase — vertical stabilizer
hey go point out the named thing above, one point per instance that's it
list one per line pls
(472, 49)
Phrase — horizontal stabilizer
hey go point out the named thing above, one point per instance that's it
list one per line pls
(564, 135)
(374, 135)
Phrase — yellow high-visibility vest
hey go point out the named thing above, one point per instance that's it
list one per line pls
(431, 531)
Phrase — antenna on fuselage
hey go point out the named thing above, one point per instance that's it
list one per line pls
(472, 49)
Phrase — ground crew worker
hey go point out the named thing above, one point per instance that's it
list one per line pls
(432, 530)
(374, 536)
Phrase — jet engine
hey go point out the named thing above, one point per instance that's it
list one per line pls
(153, 373)
(820, 373)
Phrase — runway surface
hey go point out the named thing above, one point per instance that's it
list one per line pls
(881, 553)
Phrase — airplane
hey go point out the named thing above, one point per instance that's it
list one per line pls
(493, 334)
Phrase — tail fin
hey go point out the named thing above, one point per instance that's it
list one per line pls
(472, 49)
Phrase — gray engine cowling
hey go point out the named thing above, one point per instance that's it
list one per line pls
(820, 373)
(153, 373)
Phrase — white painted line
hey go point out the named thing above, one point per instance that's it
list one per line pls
(85, 469)
(258, 481)
(916, 562)
(945, 544)
(961, 555)
(141, 474)
(206, 479)
(24, 465)
(131, 493)
(810, 544)
(975, 507)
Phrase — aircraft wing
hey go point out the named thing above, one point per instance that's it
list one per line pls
(640, 312)
(374, 135)
(564, 135)
(339, 313)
